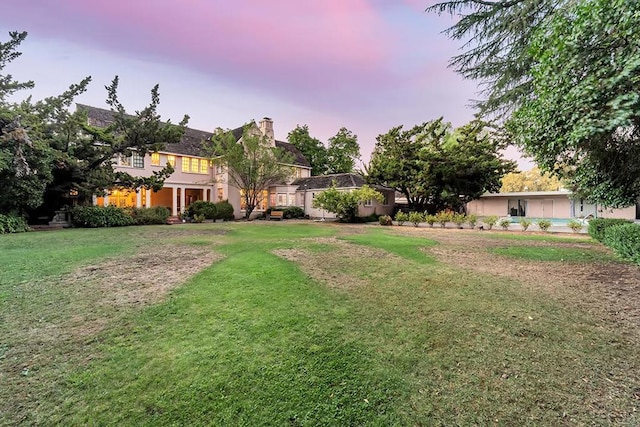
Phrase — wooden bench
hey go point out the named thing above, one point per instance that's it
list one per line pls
(276, 215)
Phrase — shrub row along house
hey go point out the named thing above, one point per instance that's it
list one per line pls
(196, 177)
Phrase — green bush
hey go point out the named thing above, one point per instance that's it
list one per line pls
(624, 239)
(385, 220)
(148, 216)
(224, 211)
(430, 219)
(201, 208)
(490, 221)
(12, 224)
(544, 224)
(598, 226)
(458, 219)
(504, 223)
(575, 225)
(472, 219)
(401, 217)
(443, 217)
(524, 223)
(416, 218)
(98, 216)
(292, 212)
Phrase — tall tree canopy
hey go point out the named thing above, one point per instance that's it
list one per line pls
(582, 118)
(342, 152)
(564, 73)
(252, 163)
(531, 180)
(339, 156)
(496, 36)
(437, 168)
(48, 153)
(312, 148)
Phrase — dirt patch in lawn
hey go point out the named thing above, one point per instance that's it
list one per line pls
(606, 289)
(338, 268)
(142, 279)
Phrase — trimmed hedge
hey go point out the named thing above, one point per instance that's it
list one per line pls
(12, 224)
(224, 211)
(598, 226)
(98, 216)
(624, 239)
(149, 216)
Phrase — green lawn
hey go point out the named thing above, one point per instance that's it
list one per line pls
(299, 323)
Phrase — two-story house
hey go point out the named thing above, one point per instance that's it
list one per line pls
(195, 176)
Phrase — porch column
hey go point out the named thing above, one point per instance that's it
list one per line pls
(139, 199)
(106, 200)
(182, 198)
(94, 200)
(174, 201)
(147, 198)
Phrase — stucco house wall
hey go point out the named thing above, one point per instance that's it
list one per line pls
(542, 204)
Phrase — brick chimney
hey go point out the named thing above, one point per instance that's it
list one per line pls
(266, 127)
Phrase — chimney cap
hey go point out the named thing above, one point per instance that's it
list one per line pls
(269, 119)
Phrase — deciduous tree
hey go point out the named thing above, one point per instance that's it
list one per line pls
(312, 148)
(342, 152)
(252, 163)
(345, 203)
(531, 180)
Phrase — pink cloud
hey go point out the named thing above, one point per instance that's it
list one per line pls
(287, 43)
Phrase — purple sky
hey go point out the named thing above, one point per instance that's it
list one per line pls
(368, 65)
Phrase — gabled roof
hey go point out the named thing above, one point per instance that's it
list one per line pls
(322, 182)
(298, 158)
(191, 142)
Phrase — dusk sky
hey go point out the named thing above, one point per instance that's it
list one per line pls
(367, 65)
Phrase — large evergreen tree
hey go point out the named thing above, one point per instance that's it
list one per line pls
(568, 72)
(48, 153)
(436, 167)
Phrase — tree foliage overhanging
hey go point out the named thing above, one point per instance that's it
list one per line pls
(564, 76)
(338, 157)
(436, 167)
(252, 163)
(48, 153)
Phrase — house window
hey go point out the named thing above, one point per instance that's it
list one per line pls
(171, 160)
(385, 202)
(155, 159)
(125, 160)
(219, 169)
(282, 199)
(220, 194)
(185, 164)
(368, 203)
(261, 200)
(138, 160)
(292, 199)
(204, 166)
(194, 165)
